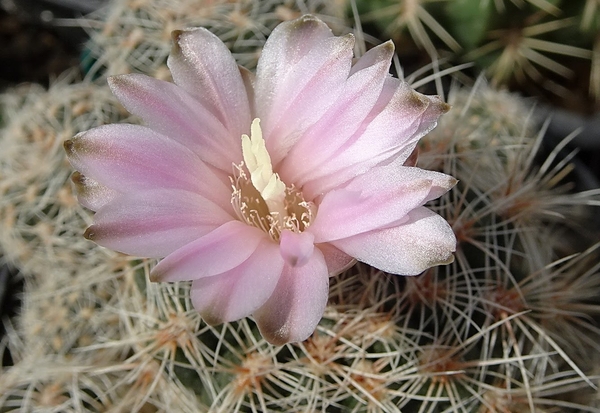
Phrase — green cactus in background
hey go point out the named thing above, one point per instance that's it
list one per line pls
(513, 42)
(507, 327)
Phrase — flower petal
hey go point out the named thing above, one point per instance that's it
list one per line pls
(336, 260)
(202, 65)
(90, 193)
(380, 197)
(399, 122)
(301, 72)
(170, 110)
(240, 291)
(343, 120)
(155, 223)
(296, 248)
(130, 158)
(297, 304)
(218, 251)
(423, 241)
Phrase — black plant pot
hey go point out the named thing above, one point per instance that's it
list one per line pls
(587, 141)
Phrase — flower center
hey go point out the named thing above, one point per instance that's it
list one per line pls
(263, 200)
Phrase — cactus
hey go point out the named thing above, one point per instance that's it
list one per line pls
(513, 42)
(507, 327)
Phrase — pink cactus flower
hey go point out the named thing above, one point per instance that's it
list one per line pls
(258, 188)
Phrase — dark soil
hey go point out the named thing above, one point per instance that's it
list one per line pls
(31, 52)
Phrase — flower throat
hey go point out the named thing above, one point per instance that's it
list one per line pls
(264, 201)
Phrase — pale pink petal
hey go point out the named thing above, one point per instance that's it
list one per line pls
(296, 248)
(240, 291)
(172, 111)
(128, 158)
(297, 304)
(90, 193)
(381, 197)
(336, 260)
(218, 251)
(423, 241)
(154, 223)
(381, 53)
(344, 119)
(300, 74)
(395, 174)
(407, 117)
(203, 66)
(392, 133)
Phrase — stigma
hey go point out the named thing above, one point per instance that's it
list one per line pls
(260, 198)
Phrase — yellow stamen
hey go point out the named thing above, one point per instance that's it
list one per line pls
(262, 199)
(258, 162)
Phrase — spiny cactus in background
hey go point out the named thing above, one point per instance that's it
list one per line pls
(591, 24)
(135, 35)
(511, 41)
(37, 209)
(507, 327)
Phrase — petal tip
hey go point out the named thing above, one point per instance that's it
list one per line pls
(277, 336)
(386, 50)
(176, 35)
(179, 36)
(78, 178)
(306, 22)
(445, 107)
(74, 145)
(156, 276)
(69, 146)
(308, 19)
(348, 40)
(438, 105)
(388, 45)
(439, 262)
(111, 80)
(389, 48)
(117, 82)
(282, 335)
(450, 260)
(90, 233)
(212, 319)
